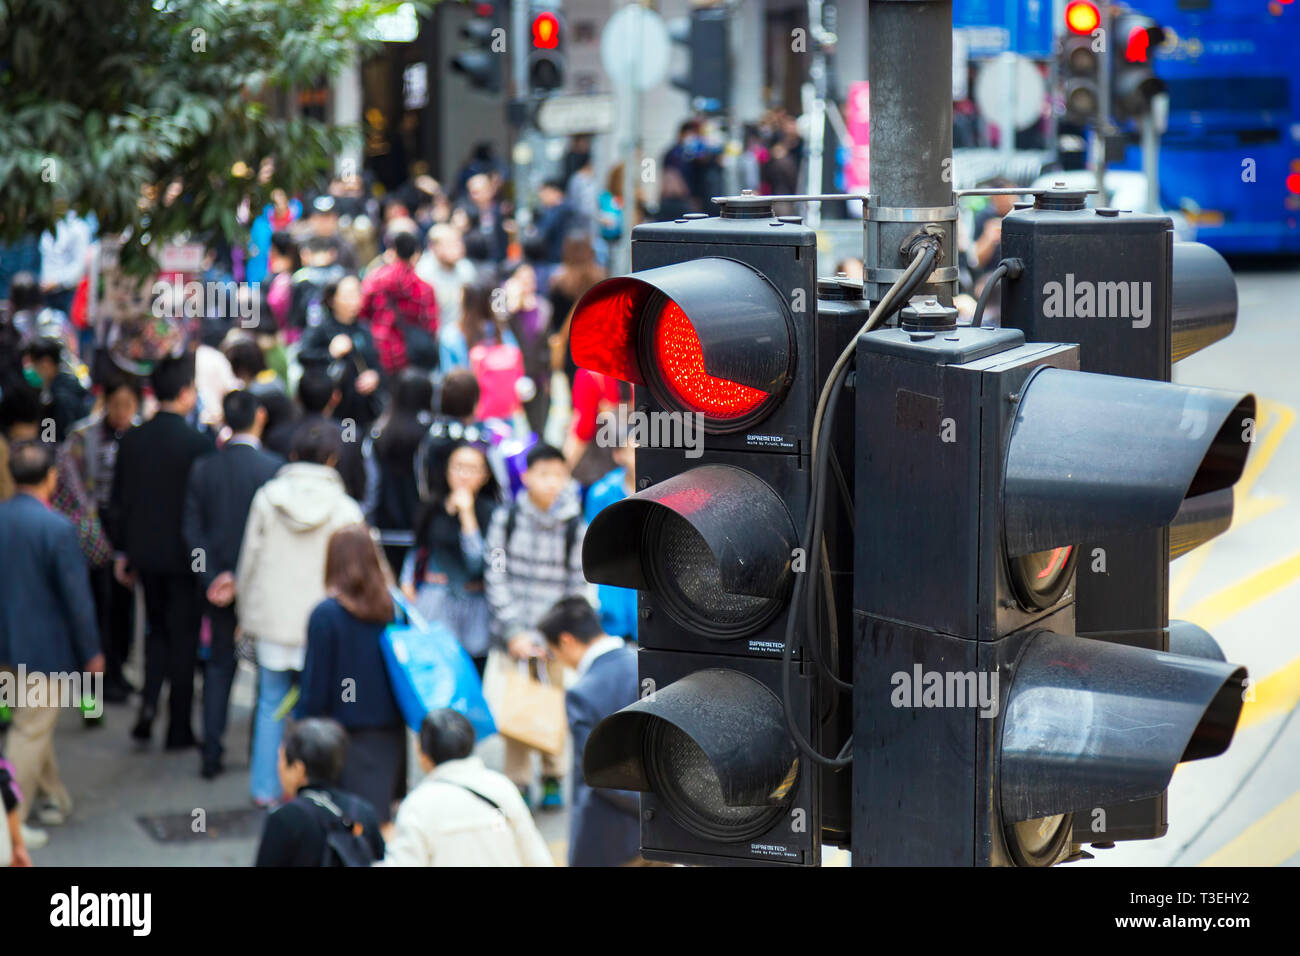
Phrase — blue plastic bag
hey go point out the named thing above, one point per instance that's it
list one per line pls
(429, 670)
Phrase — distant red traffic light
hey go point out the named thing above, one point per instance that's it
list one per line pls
(1082, 16)
(1139, 43)
(546, 31)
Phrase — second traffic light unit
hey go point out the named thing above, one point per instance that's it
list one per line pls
(983, 719)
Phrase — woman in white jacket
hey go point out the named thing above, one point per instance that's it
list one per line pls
(281, 577)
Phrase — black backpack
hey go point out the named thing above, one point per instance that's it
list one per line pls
(421, 345)
(345, 844)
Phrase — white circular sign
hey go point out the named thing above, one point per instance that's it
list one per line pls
(634, 48)
(1028, 91)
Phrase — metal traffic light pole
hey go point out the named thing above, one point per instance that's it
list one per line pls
(1105, 59)
(909, 68)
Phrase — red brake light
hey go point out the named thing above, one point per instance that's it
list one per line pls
(1139, 42)
(680, 360)
(1082, 16)
(546, 31)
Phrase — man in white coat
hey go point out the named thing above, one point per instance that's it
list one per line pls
(280, 578)
(462, 813)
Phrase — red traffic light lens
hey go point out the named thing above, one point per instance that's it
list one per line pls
(1293, 183)
(546, 31)
(1138, 45)
(680, 360)
(1082, 16)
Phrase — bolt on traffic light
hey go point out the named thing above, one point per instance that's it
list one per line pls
(719, 323)
(1002, 464)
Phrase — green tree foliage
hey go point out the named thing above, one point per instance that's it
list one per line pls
(105, 104)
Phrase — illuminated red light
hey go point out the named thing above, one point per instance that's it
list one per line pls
(1293, 183)
(1081, 16)
(546, 31)
(680, 359)
(1139, 42)
(1056, 562)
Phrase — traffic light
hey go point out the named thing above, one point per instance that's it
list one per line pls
(546, 61)
(715, 329)
(1078, 63)
(1133, 80)
(482, 62)
(988, 729)
(707, 80)
(1123, 580)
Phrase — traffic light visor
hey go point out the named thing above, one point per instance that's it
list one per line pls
(713, 746)
(1091, 724)
(1093, 455)
(714, 543)
(710, 336)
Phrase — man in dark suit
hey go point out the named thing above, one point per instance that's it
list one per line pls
(47, 620)
(604, 828)
(220, 492)
(146, 504)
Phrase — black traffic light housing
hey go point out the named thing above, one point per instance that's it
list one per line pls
(708, 78)
(482, 63)
(1189, 303)
(1133, 79)
(997, 458)
(546, 62)
(1078, 65)
(720, 319)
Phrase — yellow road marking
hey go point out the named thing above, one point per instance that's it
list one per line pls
(1272, 421)
(1218, 607)
(1273, 695)
(1271, 840)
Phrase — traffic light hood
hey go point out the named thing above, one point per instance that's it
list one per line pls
(734, 720)
(1089, 723)
(742, 323)
(743, 523)
(1092, 455)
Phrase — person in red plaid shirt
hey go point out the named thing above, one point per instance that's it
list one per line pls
(401, 309)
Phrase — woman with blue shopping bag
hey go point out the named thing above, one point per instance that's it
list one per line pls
(345, 675)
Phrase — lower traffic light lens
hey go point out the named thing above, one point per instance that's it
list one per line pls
(685, 573)
(1081, 100)
(691, 789)
(679, 360)
(1039, 842)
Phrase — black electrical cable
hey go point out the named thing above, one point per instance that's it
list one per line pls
(924, 255)
(1007, 268)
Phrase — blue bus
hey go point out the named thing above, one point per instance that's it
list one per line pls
(1230, 158)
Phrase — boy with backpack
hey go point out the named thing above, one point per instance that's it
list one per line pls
(319, 825)
(534, 558)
